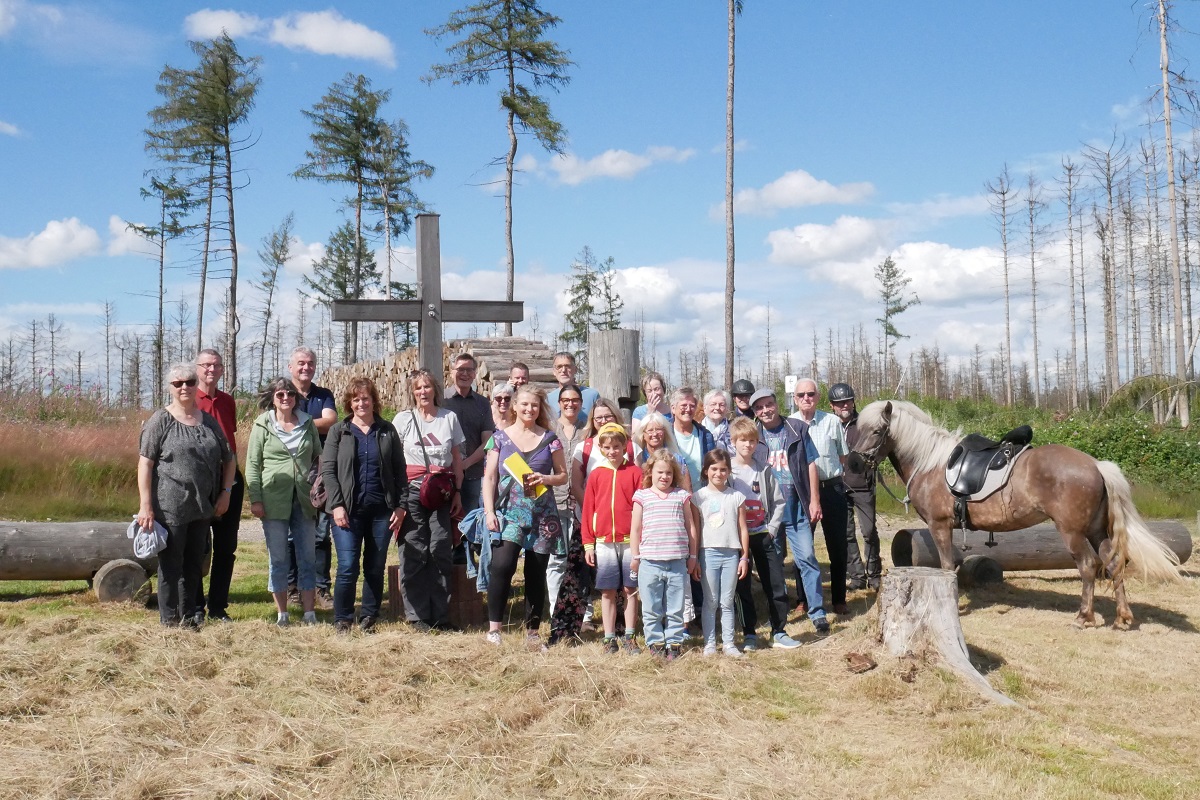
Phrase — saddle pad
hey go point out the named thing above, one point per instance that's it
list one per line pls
(994, 478)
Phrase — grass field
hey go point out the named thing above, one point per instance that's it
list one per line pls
(101, 702)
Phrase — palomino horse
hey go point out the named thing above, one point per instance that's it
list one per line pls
(1088, 501)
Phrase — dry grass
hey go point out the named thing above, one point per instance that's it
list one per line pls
(100, 702)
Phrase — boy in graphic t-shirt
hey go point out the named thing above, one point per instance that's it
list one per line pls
(755, 480)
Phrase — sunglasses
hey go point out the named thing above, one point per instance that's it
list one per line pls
(572, 400)
(806, 394)
(181, 384)
(502, 399)
(284, 394)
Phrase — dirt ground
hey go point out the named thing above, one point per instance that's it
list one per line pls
(99, 701)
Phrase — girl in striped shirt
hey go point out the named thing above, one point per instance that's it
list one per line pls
(663, 542)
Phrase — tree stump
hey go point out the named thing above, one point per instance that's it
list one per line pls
(118, 581)
(918, 612)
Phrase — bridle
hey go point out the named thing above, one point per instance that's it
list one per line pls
(871, 457)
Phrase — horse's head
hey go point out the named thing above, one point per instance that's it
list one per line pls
(874, 443)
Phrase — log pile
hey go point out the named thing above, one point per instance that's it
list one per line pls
(494, 355)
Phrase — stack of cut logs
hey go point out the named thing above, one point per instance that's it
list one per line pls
(495, 356)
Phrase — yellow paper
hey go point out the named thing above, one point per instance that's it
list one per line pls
(517, 467)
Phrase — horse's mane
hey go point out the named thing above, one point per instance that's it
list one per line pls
(919, 440)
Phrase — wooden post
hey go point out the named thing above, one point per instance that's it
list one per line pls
(429, 292)
(918, 611)
(613, 367)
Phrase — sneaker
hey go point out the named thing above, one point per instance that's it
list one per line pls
(283, 621)
(324, 600)
(750, 643)
(731, 651)
(822, 626)
(310, 618)
(674, 651)
(710, 650)
(420, 626)
(533, 640)
(342, 627)
(493, 637)
(781, 640)
(610, 645)
(629, 645)
(293, 597)
(657, 650)
(367, 624)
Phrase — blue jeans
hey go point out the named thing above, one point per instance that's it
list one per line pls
(367, 539)
(719, 565)
(804, 557)
(661, 585)
(303, 533)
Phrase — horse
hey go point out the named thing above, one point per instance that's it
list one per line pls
(1089, 501)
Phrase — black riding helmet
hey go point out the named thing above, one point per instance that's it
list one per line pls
(742, 386)
(839, 392)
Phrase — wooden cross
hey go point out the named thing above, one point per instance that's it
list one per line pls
(429, 311)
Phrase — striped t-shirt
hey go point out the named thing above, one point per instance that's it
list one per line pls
(664, 532)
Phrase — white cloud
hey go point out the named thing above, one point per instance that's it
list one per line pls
(793, 190)
(122, 240)
(847, 239)
(942, 207)
(620, 164)
(58, 242)
(8, 16)
(329, 33)
(209, 24)
(302, 256)
(8, 129)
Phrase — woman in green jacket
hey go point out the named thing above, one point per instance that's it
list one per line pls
(283, 445)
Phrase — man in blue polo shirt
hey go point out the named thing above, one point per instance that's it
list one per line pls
(318, 403)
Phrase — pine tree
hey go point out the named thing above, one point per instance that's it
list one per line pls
(581, 296)
(508, 38)
(893, 285)
(345, 272)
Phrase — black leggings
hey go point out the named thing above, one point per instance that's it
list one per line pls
(500, 575)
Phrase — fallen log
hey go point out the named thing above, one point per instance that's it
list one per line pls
(1035, 548)
(98, 552)
(918, 617)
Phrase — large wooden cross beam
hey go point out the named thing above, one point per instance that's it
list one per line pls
(429, 311)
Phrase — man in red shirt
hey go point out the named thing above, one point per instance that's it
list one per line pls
(219, 405)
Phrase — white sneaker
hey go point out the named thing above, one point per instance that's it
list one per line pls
(710, 649)
(493, 637)
(731, 651)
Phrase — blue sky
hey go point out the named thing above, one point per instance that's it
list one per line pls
(864, 129)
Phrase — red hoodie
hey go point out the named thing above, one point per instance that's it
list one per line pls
(608, 503)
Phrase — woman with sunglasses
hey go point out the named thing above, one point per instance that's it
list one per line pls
(283, 445)
(503, 414)
(567, 576)
(185, 475)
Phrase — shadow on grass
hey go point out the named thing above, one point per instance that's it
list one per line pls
(1067, 603)
(15, 591)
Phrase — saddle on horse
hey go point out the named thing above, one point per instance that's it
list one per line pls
(979, 466)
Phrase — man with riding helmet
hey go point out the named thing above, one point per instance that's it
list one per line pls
(860, 498)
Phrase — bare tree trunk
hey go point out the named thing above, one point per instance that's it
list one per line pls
(232, 324)
(1073, 371)
(210, 186)
(1181, 395)
(509, 163)
(1033, 202)
(729, 246)
(1087, 362)
(1000, 191)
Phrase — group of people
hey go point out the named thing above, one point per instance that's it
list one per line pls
(667, 519)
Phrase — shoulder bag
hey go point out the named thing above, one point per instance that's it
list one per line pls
(437, 488)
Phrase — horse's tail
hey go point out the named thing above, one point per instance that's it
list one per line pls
(1131, 539)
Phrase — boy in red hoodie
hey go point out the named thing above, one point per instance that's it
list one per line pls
(607, 519)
